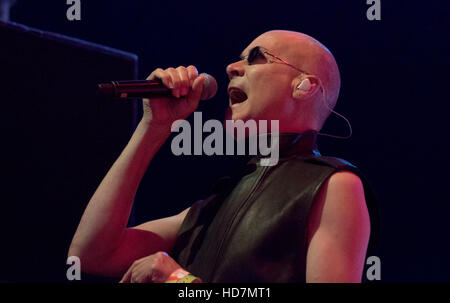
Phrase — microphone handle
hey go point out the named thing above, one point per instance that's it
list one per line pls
(134, 89)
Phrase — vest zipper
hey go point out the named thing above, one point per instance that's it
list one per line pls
(232, 221)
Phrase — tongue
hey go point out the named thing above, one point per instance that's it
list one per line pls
(238, 96)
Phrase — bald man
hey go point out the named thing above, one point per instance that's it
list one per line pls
(303, 220)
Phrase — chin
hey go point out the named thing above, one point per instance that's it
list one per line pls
(233, 114)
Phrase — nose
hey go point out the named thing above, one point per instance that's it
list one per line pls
(235, 69)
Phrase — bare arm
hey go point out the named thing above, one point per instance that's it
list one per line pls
(103, 225)
(339, 229)
(102, 241)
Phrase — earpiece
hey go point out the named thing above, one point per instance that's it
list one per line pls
(305, 85)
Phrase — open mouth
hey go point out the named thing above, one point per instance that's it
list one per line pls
(237, 95)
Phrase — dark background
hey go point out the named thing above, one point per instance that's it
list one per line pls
(394, 92)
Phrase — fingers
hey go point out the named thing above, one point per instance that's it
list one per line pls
(134, 274)
(127, 276)
(197, 88)
(174, 79)
(192, 74)
(153, 268)
(184, 81)
(180, 80)
(141, 271)
(161, 74)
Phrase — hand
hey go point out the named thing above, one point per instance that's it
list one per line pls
(155, 268)
(186, 87)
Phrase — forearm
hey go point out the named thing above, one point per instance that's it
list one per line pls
(108, 211)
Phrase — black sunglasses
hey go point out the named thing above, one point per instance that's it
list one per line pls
(259, 52)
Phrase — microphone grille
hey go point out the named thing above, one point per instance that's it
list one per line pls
(209, 87)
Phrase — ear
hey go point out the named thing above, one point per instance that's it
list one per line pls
(303, 87)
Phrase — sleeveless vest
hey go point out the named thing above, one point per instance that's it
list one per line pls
(253, 228)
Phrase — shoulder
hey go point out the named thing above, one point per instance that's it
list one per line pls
(334, 162)
(342, 192)
(340, 205)
(344, 181)
(320, 163)
(338, 223)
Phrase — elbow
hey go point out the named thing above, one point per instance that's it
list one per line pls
(75, 252)
(76, 255)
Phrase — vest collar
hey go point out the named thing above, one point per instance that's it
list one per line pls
(298, 144)
(290, 144)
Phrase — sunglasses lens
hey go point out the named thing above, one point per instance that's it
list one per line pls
(253, 54)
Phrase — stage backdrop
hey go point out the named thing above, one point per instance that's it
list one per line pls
(58, 141)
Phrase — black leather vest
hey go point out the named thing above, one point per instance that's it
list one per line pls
(254, 227)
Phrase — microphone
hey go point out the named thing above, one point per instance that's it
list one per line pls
(150, 89)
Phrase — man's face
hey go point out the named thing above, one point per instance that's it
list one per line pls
(258, 89)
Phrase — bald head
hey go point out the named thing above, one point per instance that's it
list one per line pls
(311, 56)
(261, 91)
